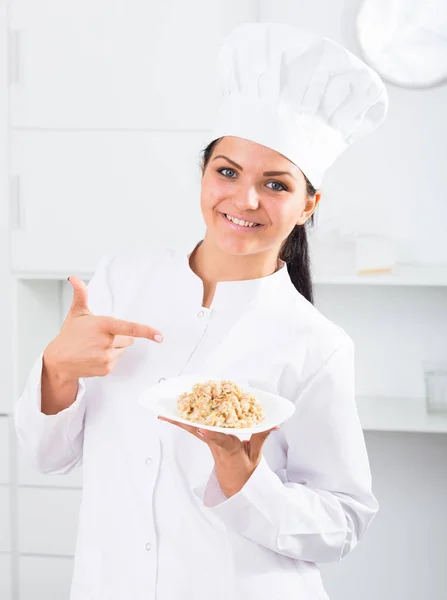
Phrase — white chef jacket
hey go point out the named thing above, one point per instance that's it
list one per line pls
(153, 522)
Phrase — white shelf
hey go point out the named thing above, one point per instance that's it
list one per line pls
(51, 275)
(409, 275)
(399, 414)
(406, 275)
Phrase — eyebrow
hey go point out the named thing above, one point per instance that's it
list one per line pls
(269, 173)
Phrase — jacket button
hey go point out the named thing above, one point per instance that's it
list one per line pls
(149, 461)
(201, 313)
(148, 546)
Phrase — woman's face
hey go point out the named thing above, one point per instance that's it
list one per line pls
(255, 184)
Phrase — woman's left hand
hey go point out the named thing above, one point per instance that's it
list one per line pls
(235, 460)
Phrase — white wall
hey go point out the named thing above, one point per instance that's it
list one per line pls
(395, 329)
(396, 177)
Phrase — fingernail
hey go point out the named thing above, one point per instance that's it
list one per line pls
(158, 338)
(201, 432)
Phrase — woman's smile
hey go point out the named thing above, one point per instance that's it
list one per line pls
(237, 224)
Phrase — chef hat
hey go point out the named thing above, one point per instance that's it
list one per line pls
(298, 93)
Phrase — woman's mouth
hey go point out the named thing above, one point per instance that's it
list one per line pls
(240, 225)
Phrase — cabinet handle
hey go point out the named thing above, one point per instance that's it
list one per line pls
(14, 57)
(17, 205)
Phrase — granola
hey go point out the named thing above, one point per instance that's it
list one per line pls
(220, 403)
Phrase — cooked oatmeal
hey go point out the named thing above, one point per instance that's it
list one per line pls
(220, 404)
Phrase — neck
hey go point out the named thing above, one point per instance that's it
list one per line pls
(212, 265)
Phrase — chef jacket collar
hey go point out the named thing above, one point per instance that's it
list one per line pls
(238, 294)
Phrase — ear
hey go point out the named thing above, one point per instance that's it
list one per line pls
(309, 207)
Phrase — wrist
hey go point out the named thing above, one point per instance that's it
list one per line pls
(232, 480)
(52, 370)
(57, 392)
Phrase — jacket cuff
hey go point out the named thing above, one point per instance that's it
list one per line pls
(262, 483)
(28, 409)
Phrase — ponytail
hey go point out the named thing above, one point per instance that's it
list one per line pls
(295, 253)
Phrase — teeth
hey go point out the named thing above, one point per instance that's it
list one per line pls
(239, 222)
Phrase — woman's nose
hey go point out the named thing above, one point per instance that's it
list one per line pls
(247, 200)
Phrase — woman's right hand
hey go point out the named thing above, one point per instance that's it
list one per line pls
(89, 345)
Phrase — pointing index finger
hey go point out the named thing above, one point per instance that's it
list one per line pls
(132, 329)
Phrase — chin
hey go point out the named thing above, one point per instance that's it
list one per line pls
(235, 246)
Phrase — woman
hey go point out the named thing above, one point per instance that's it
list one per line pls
(171, 511)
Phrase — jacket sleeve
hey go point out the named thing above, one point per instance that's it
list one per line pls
(323, 505)
(53, 443)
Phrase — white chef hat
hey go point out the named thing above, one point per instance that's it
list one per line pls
(298, 93)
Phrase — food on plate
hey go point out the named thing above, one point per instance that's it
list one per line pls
(220, 403)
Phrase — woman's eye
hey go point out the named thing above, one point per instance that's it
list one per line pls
(232, 173)
(281, 186)
(226, 169)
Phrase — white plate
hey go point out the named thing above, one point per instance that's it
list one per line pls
(162, 398)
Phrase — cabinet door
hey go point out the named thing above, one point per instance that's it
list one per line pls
(43, 578)
(5, 577)
(6, 312)
(81, 195)
(48, 520)
(119, 63)
(5, 519)
(4, 449)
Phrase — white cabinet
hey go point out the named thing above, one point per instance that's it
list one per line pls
(42, 578)
(5, 520)
(6, 321)
(4, 450)
(48, 520)
(83, 194)
(5, 577)
(119, 64)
